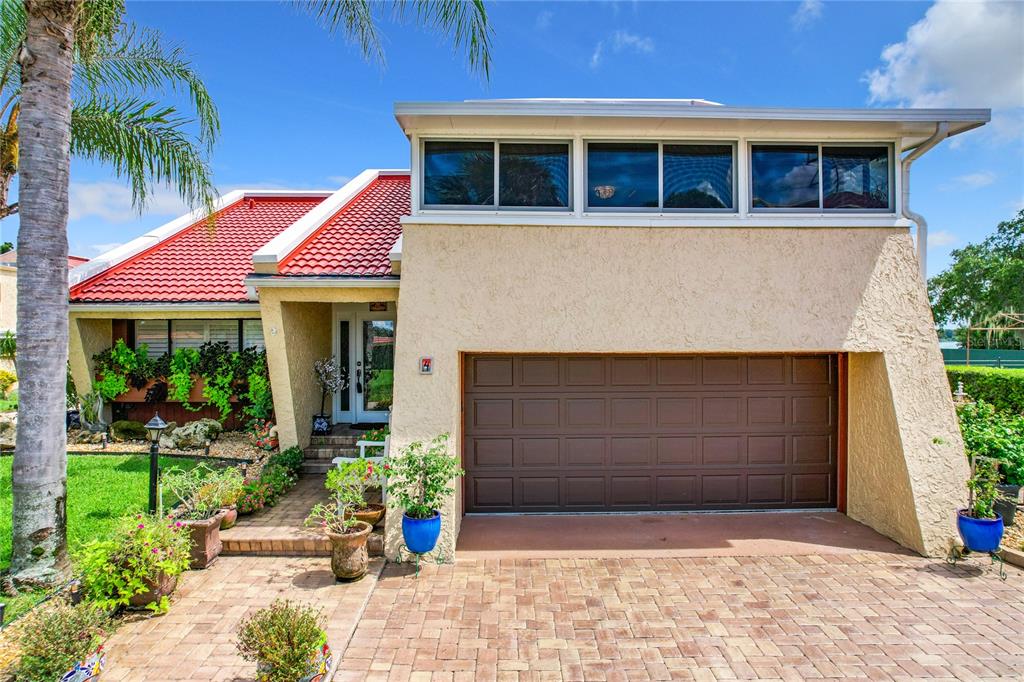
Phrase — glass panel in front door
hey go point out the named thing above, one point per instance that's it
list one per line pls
(344, 365)
(378, 364)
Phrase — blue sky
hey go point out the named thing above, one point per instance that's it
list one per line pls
(301, 109)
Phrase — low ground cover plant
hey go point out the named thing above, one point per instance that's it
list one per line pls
(283, 640)
(55, 638)
(276, 479)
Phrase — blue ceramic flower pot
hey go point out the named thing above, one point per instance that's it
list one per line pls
(421, 534)
(979, 535)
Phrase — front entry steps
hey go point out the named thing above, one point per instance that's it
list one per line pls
(323, 449)
(280, 530)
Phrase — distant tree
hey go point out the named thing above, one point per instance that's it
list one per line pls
(6, 246)
(983, 280)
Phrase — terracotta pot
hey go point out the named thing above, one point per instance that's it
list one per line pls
(229, 518)
(206, 544)
(349, 558)
(159, 587)
(372, 513)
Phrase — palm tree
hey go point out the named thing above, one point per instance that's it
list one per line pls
(55, 41)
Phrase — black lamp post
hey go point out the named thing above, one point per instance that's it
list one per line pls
(155, 427)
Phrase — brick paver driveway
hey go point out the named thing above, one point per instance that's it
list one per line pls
(868, 615)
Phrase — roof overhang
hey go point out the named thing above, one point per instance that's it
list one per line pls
(675, 117)
(321, 282)
(128, 307)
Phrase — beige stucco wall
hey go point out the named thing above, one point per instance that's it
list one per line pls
(730, 289)
(8, 298)
(297, 326)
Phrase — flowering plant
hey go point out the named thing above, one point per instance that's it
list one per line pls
(331, 377)
(347, 484)
(261, 434)
(255, 496)
(141, 551)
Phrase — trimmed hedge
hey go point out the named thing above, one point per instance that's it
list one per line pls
(1003, 388)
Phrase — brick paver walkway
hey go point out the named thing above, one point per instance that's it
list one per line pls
(195, 640)
(877, 615)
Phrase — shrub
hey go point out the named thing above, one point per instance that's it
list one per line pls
(253, 498)
(55, 638)
(203, 491)
(140, 549)
(982, 487)
(7, 379)
(1003, 388)
(279, 479)
(125, 429)
(283, 640)
(290, 459)
(995, 435)
(347, 485)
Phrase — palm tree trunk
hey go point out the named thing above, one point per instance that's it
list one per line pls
(40, 460)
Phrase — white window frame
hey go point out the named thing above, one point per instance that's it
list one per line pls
(495, 205)
(820, 209)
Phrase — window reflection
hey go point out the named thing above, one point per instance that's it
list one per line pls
(458, 173)
(784, 176)
(534, 175)
(856, 177)
(622, 175)
(697, 176)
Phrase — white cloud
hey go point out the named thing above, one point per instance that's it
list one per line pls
(961, 54)
(621, 41)
(543, 21)
(113, 202)
(972, 180)
(806, 14)
(941, 238)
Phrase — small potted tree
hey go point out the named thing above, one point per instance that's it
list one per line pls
(368, 512)
(980, 527)
(348, 535)
(419, 481)
(331, 378)
(200, 492)
(287, 642)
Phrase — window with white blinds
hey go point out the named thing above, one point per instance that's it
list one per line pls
(153, 333)
(252, 333)
(194, 333)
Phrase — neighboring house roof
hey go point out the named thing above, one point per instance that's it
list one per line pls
(189, 260)
(11, 258)
(357, 239)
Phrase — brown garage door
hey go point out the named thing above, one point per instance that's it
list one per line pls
(665, 432)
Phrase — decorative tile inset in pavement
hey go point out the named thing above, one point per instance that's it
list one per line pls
(877, 616)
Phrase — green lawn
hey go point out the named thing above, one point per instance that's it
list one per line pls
(381, 388)
(101, 488)
(9, 403)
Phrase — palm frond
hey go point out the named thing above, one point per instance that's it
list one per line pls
(144, 142)
(12, 32)
(463, 22)
(353, 18)
(96, 24)
(138, 61)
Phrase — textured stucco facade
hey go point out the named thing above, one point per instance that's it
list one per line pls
(480, 288)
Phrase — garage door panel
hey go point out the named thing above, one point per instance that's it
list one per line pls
(592, 433)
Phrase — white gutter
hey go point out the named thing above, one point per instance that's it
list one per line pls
(129, 307)
(320, 282)
(940, 134)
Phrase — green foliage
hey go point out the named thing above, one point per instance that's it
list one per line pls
(422, 476)
(10, 403)
(6, 246)
(119, 367)
(984, 279)
(53, 638)
(201, 490)
(994, 435)
(282, 640)
(259, 397)
(1003, 388)
(8, 345)
(291, 459)
(254, 497)
(347, 485)
(7, 379)
(90, 408)
(125, 429)
(217, 367)
(184, 363)
(982, 486)
(279, 479)
(140, 550)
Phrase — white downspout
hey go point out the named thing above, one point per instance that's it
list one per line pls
(940, 134)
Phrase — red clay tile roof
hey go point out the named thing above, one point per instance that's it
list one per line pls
(356, 241)
(199, 263)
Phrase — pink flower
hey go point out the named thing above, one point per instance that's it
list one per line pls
(178, 524)
(155, 550)
(142, 525)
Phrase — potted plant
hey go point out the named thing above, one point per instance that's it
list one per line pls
(980, 527)
(138, 565)
(365, 475)
(348, 535)
(331, 378)
(998, 435)
(287, 642)
(199, 491)
(62, 642)
(229, 489)
(419, 481)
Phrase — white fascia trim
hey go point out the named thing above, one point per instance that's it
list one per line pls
(118, 255)
(678, 109)
(313, 281)
(395, 254)
(281, 246)
(708, 221)
(169, 307)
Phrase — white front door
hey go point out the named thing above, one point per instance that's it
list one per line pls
(364, 344)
